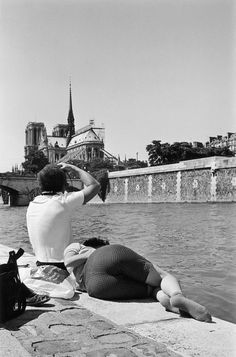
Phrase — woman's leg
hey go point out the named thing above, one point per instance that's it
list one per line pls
(168, 286)
(171, 287)
(170, 295)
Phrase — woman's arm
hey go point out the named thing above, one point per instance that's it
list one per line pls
(74, 260)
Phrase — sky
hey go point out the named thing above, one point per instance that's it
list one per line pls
(147, 69)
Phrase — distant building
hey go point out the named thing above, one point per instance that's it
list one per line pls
(197, 144)
(222, 141)
(84, 144)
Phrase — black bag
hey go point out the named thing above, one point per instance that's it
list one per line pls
(12, 297)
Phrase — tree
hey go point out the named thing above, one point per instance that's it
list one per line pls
(99, 164)
(135, 164)
(162, 154)
(225, 151)
(154, 153)
(34, 162)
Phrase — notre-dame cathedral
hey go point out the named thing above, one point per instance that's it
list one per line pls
(65, 142)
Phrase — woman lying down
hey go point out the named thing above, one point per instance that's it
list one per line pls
(115, 272)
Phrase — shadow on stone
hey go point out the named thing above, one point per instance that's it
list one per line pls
(28, 315)
(145, 300)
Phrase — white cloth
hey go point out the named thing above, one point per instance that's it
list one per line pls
(50, 280)
(49, 224)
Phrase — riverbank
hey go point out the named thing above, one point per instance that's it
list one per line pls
(195, 242)
(92, 327)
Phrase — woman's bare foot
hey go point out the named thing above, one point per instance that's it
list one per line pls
(197, 311)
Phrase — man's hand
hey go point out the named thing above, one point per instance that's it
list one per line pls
(63, 165)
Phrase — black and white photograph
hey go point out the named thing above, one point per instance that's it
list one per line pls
(118, 178)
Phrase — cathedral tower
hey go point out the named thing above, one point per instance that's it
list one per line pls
(70, 121)
(34, 132)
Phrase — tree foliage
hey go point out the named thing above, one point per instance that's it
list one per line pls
(165, 153)
(34, 162)
(91, 166)
(135, 164)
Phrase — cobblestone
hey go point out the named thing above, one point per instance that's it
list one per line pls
(68, 330)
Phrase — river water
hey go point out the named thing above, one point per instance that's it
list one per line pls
(196, 242)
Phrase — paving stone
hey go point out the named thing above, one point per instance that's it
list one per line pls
(116, 352)
(149, 349)
(67, 329)
(100, 325)
(51, 347)
(117, 338)
(75, 314)
(70, 330)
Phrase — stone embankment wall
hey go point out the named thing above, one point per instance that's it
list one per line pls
(210, 179)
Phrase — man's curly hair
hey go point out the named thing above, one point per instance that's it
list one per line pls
(52, 178)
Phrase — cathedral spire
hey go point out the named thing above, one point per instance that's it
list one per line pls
(70, 119)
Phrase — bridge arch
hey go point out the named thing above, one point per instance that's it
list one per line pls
(9, 194)
(9, 189)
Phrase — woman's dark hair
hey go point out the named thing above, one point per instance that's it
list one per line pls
(52, 178)
(95, 242)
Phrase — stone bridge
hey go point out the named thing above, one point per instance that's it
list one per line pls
(20, 190)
